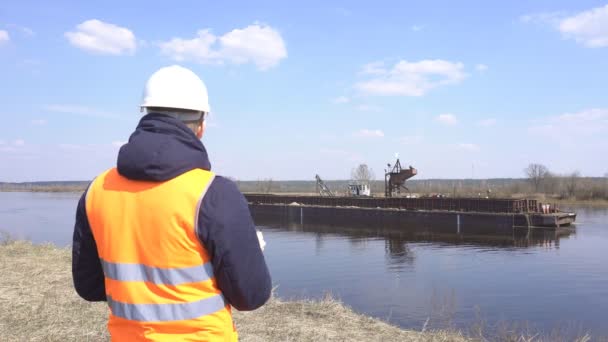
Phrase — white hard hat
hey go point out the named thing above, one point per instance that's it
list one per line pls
(175, 87)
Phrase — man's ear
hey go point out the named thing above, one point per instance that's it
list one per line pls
(201, 129)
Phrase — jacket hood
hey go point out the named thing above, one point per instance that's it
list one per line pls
(161, 148)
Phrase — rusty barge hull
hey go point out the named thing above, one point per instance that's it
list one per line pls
(453, 214)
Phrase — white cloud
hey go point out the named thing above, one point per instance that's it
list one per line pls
(447, 119)
(550, 18)
(410, 78)
(4, 37)
(373, 68)
(198, 49)
(19, 142)
(25, 30)
(369, 133)
(584, 125)
(596, 115)
(468, 147)
(341, 100)
(82, 110)
(487, 122)
(589, 28)
(38, 122)
(259, 44)
(102, 38)
(481, 67)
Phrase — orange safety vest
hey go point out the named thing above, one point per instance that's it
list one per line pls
(158, 276)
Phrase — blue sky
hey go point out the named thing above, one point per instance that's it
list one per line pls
(475, 89)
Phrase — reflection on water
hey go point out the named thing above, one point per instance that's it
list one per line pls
(519, 237)
(541, 278)
(398, 254)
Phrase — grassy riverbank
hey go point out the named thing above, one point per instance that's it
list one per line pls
(39, 304)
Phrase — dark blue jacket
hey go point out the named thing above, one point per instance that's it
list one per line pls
(160, 149)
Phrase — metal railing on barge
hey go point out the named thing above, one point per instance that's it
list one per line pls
(489, 205)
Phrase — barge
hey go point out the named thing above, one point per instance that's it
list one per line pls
(494, 215)
(442, 214)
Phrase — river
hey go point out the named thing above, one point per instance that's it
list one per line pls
(547, 284)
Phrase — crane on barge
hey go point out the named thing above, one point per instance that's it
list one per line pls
(394, 179)
(322, 188)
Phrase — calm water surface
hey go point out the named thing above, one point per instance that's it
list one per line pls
(546, 283)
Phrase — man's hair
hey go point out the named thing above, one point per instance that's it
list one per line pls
(191, 118)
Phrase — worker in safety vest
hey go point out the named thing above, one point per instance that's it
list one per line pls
(167, 243)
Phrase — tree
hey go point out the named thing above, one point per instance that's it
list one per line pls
(362, 174)
(265, 185)
(572, 181)
(536, 173)
(551, 183)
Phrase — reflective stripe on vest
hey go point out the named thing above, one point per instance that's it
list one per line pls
(156, 275)
(166, 312)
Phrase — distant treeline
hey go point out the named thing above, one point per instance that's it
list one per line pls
(561, 187)
(64, 186)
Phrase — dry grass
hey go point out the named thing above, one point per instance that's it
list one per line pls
(39, 304)
(37, 298)
(325, 320)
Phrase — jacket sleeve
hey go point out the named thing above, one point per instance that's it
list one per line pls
(227, 230)
(86, 266)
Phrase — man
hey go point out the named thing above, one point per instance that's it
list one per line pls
(168, 244)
